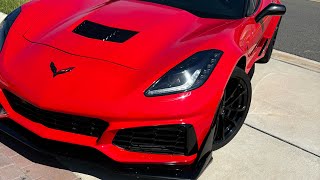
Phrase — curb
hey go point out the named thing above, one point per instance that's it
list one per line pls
(296, 60)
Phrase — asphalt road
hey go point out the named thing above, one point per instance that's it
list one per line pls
(299, 32)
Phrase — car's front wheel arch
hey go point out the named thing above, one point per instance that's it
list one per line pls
(233, 108)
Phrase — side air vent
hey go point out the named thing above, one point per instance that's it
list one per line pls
(97, 31)
(168, 139)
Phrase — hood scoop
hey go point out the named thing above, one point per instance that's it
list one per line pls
(100, 32)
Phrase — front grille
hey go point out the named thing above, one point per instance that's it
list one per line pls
(97, 31)
(169, 139)
(65, 122)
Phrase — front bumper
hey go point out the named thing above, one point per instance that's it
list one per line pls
(9, 129)
(105, 144)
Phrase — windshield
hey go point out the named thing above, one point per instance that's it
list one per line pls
(227, 9)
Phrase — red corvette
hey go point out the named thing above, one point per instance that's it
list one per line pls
(153, 82)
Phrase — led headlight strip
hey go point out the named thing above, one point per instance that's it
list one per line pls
(188, 75)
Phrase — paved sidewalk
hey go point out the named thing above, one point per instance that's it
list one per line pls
(26, 164)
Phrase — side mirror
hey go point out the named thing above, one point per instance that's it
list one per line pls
(271, 10)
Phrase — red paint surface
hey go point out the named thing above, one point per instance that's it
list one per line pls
(109, 79)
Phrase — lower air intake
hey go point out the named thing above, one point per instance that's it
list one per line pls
(169, 139)
(55, 120)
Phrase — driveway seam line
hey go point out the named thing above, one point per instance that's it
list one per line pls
(280, 139)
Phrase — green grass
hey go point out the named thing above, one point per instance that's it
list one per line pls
(6, 6)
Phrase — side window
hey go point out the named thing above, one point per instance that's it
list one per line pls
(252, 6)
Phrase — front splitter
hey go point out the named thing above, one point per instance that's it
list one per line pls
(132, 171)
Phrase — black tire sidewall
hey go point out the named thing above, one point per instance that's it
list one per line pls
(251, 72)
(237, 73)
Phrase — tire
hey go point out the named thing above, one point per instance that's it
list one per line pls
(267, 56)
(233, 108)
(251, 72)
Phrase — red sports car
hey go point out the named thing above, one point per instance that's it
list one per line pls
(152, 82)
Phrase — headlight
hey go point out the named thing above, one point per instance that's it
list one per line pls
(188, 75)
(6, 24)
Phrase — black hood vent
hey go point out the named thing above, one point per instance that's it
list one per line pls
(97, 31)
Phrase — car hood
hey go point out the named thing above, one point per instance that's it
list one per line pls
(159, 29)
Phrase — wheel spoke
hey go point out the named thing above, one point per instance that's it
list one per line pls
(232, 94)
(236, 109)
(234, 100)
(220, 129)
(232, 121)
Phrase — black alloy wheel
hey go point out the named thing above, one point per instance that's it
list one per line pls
(233, 108)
